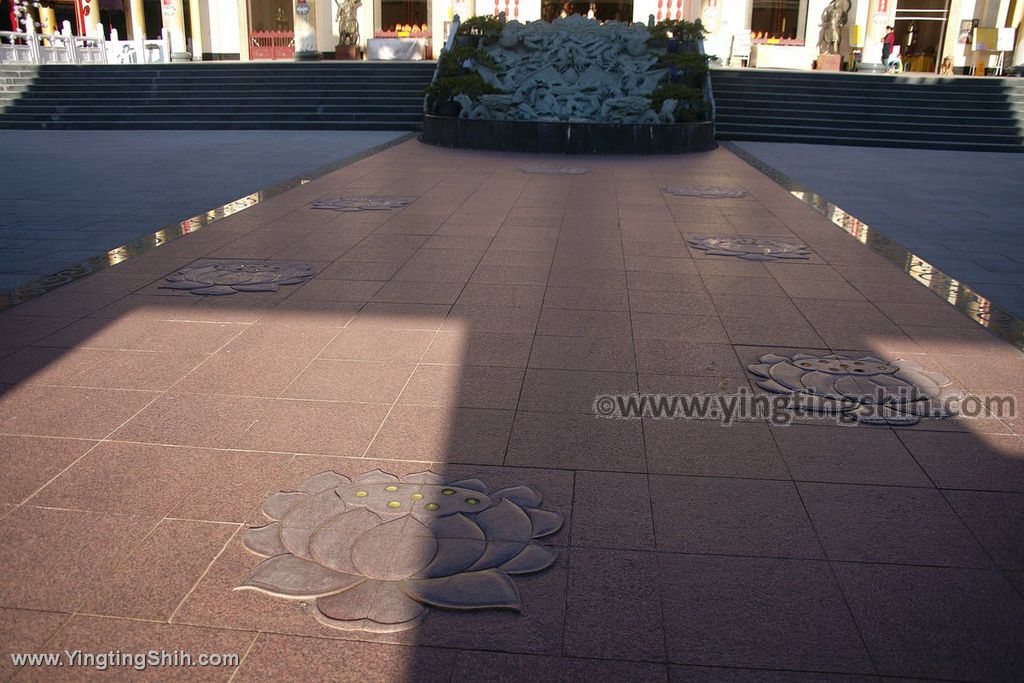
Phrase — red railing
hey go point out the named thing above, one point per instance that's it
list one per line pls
(271, 45)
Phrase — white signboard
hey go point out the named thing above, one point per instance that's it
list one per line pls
(1006, 40)
(741, 45)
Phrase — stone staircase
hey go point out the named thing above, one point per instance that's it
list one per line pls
(975, 114)
(255, 95)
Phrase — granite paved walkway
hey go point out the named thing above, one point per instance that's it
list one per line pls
(71, 195)
(144, 430)
(961, 211)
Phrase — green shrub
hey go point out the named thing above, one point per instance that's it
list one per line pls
(480, 26)
(681, 29)
(452, 60)
(445, 88)
(689, 62)
(690, 101)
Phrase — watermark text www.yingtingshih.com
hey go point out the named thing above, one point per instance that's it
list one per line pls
(118, 659)
(781, 409)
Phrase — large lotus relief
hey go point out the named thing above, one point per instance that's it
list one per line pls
(555, 170)
(868, 389)
(231, 277)
(361, 203)
(375, 552)
(705, 192)
(751, 248)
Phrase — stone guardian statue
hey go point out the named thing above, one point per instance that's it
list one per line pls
(833, 19)
(348, 22)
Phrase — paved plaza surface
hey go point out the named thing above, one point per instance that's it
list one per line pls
(961, 211)
(390, 468)
(70, 195)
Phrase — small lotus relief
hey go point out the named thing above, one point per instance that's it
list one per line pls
(751, 248)
(867, 389)
(361, 203)
(375, 552)
(555, 170)
(706, 192)
(231, 277)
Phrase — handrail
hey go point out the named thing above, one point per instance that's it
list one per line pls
(447, 46)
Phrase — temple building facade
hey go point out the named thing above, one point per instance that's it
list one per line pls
(976, 35)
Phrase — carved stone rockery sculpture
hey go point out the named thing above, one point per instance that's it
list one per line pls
(572, 69)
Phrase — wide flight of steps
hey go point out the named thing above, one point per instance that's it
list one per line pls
(976, 114)
(219, 95)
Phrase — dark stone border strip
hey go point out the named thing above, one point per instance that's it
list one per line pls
(562, 137)
(169, 233)
(977, 307)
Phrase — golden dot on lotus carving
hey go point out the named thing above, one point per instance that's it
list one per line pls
(390, 488)
(417, 496)
(361, 494)
(394, 504)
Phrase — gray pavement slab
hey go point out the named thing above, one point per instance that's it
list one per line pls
(961, 211)
(70, 195)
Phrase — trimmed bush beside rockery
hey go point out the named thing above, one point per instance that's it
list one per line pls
(572, 86)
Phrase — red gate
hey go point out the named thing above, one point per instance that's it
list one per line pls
(271, 45)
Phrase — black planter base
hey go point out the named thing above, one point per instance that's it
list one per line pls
(560, 137)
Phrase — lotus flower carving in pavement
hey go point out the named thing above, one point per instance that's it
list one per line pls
(231, 277)
(555, 170)
(361, 203)
(868, 389)
(375, 552)
(751, 248)
(706, 192)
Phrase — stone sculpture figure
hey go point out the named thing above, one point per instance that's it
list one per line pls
(833, 19)
(348, 23)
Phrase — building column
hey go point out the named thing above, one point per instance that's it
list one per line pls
(136, 19)
(174, 24)
(880, 15)
(305, 31)
(87, 12)
(195, 16)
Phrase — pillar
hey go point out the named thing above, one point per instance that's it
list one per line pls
(195, 14)
(881, 13)
(135, 19)
(305, 30)
(174, 23)
(48, 21)
(87, 12)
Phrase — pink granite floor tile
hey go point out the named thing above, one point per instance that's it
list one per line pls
(182, 419)
(612, 608)
(350, 380)
(463, 386)
(55, 557)
(467, 435)
(68, 412)
(574, 441)
(285, 657)
(156, 577)
(758, 612)
(101, 635)
(24, 632)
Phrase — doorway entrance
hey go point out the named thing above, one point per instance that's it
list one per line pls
(271, 29)
(919, 28)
